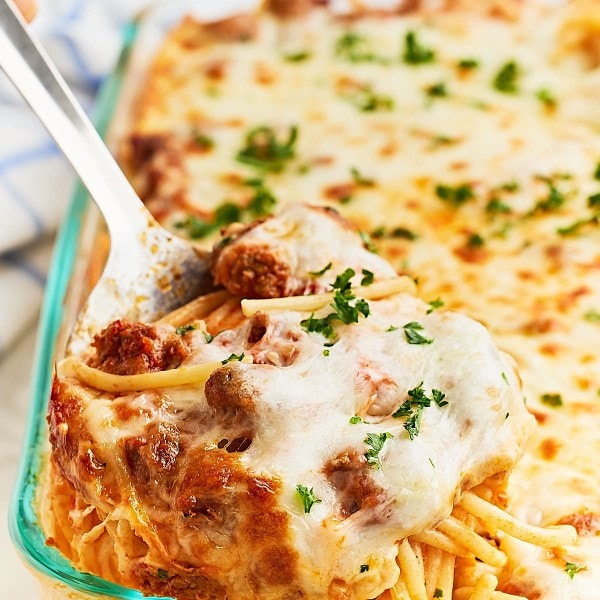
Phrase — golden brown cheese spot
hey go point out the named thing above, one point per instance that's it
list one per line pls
(586, 523)
(290, 9)
(339, 192)
(125, 348)
(549, 448)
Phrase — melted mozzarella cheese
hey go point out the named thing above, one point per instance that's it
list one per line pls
(302, 421)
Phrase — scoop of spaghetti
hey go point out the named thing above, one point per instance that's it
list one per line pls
(285, 456)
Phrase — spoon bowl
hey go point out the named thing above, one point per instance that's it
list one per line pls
(149, 271)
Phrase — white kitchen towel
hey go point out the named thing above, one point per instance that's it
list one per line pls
(84, 38)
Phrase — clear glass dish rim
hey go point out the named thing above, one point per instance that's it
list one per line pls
(23, 523)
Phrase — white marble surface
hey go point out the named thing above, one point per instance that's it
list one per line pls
(15, 382)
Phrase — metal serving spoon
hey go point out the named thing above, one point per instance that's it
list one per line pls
(149, 271)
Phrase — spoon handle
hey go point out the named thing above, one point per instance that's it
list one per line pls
(34, 75)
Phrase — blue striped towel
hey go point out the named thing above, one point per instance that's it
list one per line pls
(84, 38)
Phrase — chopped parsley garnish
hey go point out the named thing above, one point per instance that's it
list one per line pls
(416, 53)
(296, 57)
(233, 358)
(434, 305)
(368, 277)
(506, 79)
(495, 206)
(576, 226)
(392, 328)
(468, 63)
(438, 593)
(475, 241)
(162, 574)
(354, 47)
(592, 315)
(263, 201)
(203, 141)
(411, 331)
(413, 408)
(457, 195)
(260, 205)
(364, 568)
(547, 98)
(597, 172)
(326, 352)
(355, 419)
(503, 375)
(437, 90)
(594, 201)
(321, 272)
(367, 241)
(208, 338)
(360, 179)
(376, 442)
(346, 306)
(553, 400)
(553, 200)
(571, 569)
(308, 497)
(367, 100)
(395, 233)
(196, 228)
(264, 151)
(183, 329)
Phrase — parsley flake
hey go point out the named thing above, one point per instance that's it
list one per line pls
(355, 47)
(355, 419)
(376, 442)
(553, 400)
(360, 179)
(264, 151)
(495, 206)
(366, 99)
(368, 277)
(203, 141)
(506, 79)
(416, 53)
(411, 331)
(467, 64)
(414, 405)
(162, 574)
(367, 241)
(457, 195)
(296, 57)
(392, 328)
(308, 497)
(183, 329)
(434, 305)
(547, 98)
(571, 569)
(437, 90)
(438, 593)
(208, 338)
(233, 358)
(594, 201)
(322, 271)
(592, 316)
(347, 308)
(364, 568)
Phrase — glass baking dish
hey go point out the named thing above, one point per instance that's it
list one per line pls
(68, 282)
